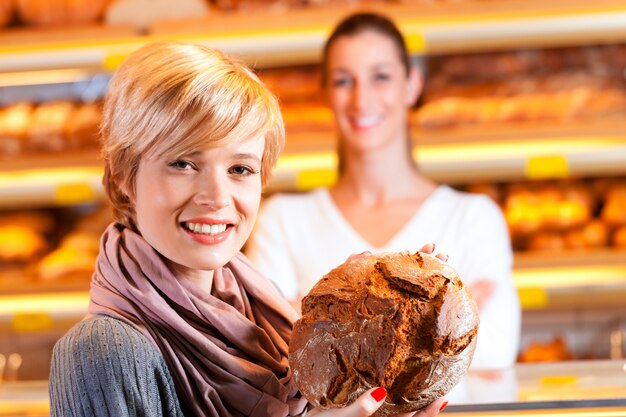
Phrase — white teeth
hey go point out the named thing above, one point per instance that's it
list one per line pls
(206, 229)
(367, 121)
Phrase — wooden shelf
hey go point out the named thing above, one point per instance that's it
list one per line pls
(573, 279)
(264, 38)
(582, 279)
(497, 153)
(454, 156)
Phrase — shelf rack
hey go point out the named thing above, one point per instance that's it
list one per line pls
(498, 153)
(265, 38)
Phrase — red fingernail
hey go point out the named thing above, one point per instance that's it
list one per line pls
(443, 406)
(379, 393)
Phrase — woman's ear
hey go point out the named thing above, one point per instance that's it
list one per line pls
(129, 193)
(415, 85)
(121, 185)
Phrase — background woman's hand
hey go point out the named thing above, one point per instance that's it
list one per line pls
(429, 248)
(482, 290)
(370, 401)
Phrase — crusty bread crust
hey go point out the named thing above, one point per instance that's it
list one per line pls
(404, 322)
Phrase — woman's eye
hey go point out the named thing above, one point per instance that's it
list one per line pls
(382, 77)
(341, 82)
(243, 170)
(181, 164)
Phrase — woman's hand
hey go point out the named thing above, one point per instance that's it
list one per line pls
(482, 290)
(429, 248)
(370, 401)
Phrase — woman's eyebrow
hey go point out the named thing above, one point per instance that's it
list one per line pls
(244, 155)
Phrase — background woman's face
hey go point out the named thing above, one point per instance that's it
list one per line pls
(368, 90)
(197, 210)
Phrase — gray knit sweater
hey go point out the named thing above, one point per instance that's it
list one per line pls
(104, 367)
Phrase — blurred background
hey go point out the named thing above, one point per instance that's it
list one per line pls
(525, 101)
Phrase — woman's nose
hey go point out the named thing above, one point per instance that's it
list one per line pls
(212, 191)
(360, 95)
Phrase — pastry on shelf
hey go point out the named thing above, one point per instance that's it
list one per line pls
(594, 234)
(307, 118)
(552, 351)
(41, 222)
(6, 11)
(293, 85)
(47, 129)
(548, 206)
(275, 6)
(614, 209)
(67, 263)
(75, 256)
(546, 242)
(565, 214)
(83, 127)
(60, 12)
(14, 121)
(619, 237)
(523, 219)
(143, 13)
(73, 259)
(20, 244)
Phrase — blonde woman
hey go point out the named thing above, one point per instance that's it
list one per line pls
(180, 323)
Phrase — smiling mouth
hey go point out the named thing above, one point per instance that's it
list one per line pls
(205, 229)
(366, 122)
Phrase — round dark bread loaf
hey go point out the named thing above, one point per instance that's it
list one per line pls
(404, 322)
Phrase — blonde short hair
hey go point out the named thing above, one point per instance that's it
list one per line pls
(169, 98)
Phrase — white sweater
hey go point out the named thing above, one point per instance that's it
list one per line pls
(299, 238)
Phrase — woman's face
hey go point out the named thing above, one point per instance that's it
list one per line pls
(369, 91)
(198, 210)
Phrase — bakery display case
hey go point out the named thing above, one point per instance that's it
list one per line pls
(558, 171)
(585, 389)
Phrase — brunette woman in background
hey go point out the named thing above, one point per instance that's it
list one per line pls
(381, 202)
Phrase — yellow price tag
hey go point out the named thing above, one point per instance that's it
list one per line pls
(533, 297)
(67, 194)
(307, 180)
(31, 322)
(547, 166)
(415, 43)
(111, 62)
(552, 380)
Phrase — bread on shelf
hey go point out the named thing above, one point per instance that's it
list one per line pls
(48, 124)
(60, 12)
(14, 122)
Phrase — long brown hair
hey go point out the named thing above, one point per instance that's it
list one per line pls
(356, 24)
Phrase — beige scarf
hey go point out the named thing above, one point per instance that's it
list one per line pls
(227, 351)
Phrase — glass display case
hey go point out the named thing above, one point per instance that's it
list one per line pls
(577, 293)
(574, 388)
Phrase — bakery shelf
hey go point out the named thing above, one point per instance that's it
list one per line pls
(495, 154)
(51, 187)
(584, 279)
(264, 38)
(587, 279)
(480, 153)
(573, 388)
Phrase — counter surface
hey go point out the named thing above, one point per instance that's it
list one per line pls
(589, 388)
